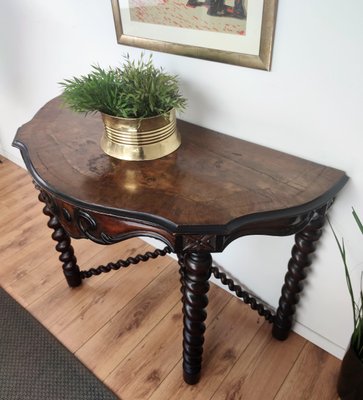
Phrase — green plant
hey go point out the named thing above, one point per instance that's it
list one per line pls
(134, 90)
(357, 336)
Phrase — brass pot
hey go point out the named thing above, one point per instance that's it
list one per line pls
(139, 139)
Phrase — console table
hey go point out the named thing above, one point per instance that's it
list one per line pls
(197, 200)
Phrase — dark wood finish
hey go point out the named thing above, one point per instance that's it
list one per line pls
(256, 304)
(125, 327)
(305, 245)
(197, 200)
(70, 268)
(115, 266)
(102, 228)
(196, 274)
(237, 182)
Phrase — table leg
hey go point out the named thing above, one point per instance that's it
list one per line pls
(70, 268)
(197, 271)
(181, 273)
(305, 245)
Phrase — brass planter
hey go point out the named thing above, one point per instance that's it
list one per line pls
(139, 139)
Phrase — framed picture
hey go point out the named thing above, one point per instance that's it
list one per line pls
(238, 32)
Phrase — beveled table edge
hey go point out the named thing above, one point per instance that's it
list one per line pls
(237, 227)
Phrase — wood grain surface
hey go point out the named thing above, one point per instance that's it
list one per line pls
(212, 179)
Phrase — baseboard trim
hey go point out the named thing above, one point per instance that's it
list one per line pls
(319, 340)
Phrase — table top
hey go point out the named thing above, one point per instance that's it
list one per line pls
(211, 180)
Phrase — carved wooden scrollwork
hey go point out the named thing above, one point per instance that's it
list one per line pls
(88, 225)
(98, 227)
(66, 215)
(93, 230)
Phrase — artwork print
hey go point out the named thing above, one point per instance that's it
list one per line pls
(237, 32)
(227, 16)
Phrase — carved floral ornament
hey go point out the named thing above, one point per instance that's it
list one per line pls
(199, 243)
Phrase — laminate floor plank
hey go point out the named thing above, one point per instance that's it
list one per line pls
(22, 199)
(71, 313)
(26, 258)
(93, 312)
(13, 182)
(261, 369)
(227, 337)
(14, 240)
(123, 332)
(141, 372)
(32, 277)
(32, 211)
(313, 376)
(61, 299)
(10, 173)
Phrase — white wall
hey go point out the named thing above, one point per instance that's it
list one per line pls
(308, 105)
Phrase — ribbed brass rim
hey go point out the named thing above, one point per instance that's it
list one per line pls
(140, 138)
(144, 138)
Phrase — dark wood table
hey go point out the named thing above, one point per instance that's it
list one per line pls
(211, 191)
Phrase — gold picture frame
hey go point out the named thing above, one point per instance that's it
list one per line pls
(262, 24)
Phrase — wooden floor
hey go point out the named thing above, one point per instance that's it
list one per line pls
(126, 325)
